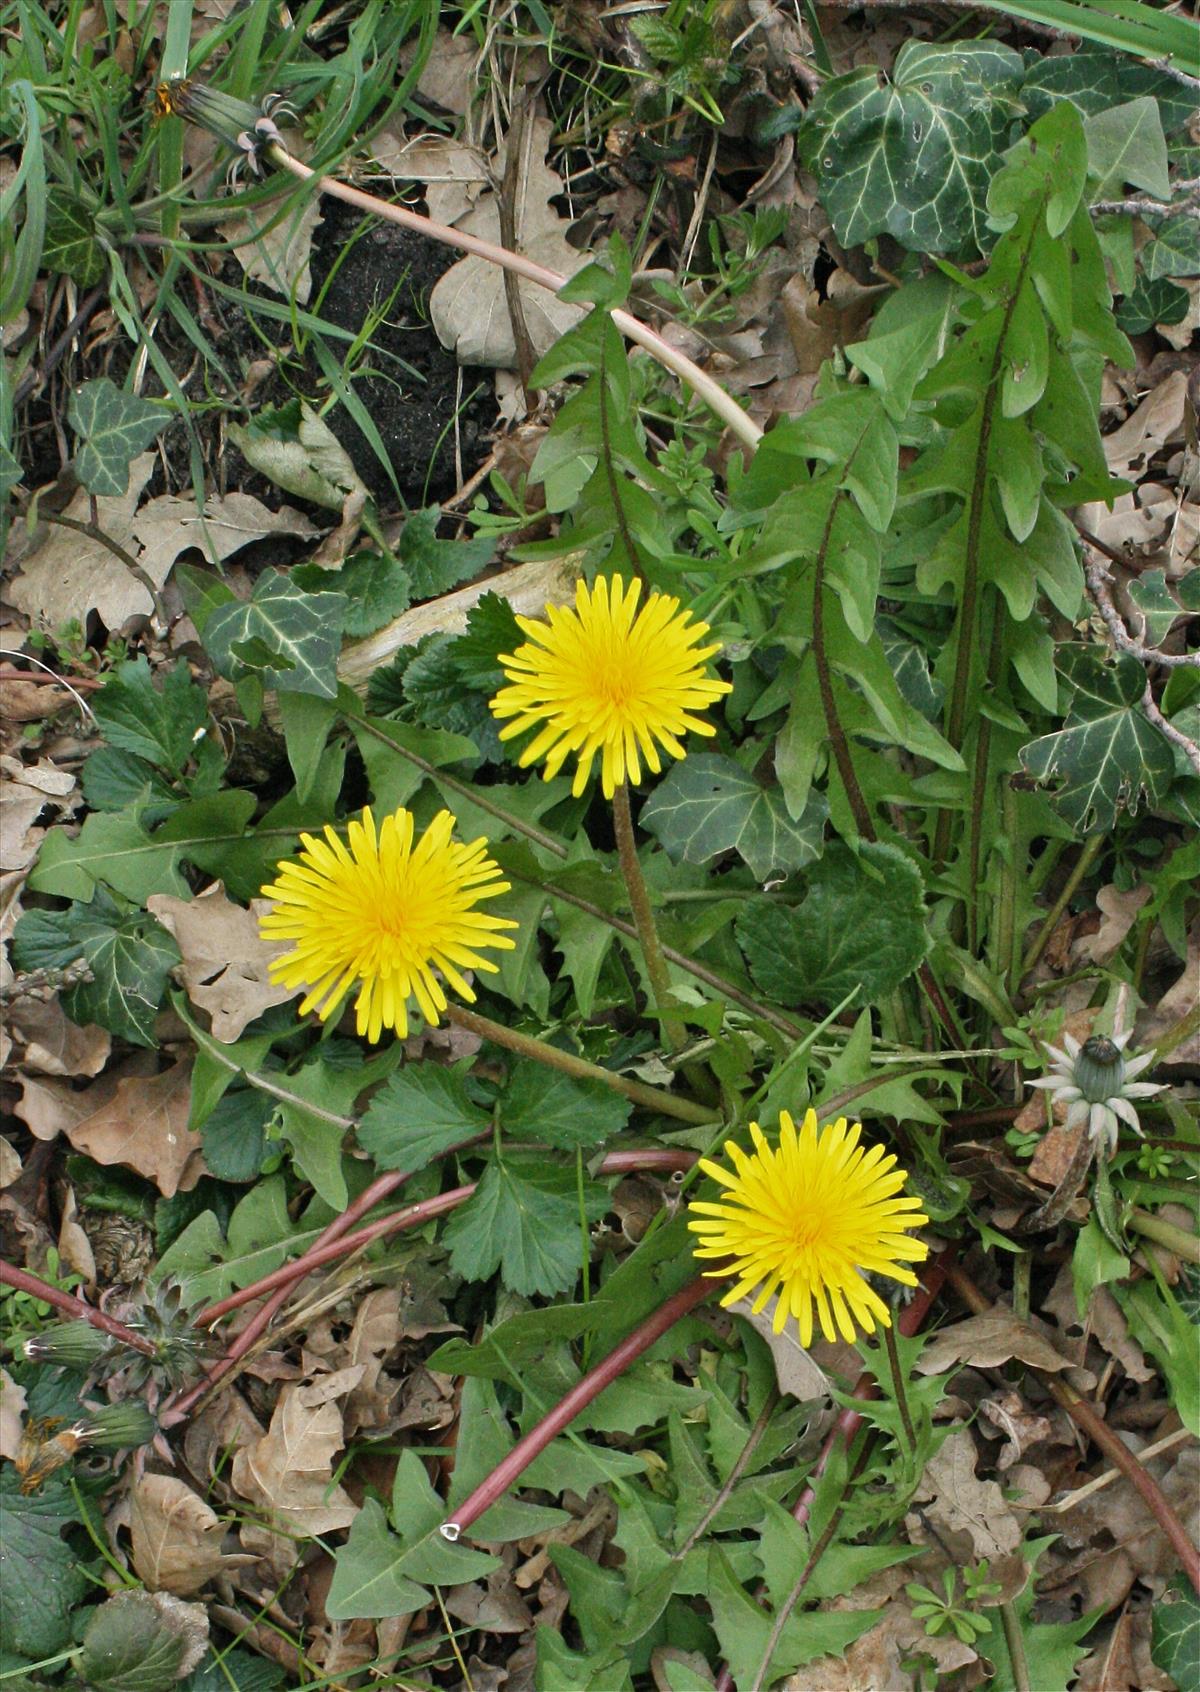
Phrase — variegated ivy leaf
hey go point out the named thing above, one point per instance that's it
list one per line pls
(912, 157)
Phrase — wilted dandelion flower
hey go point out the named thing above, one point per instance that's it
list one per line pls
(1096, 1081)
(809, 1221)
(386, 910)
(605, 678)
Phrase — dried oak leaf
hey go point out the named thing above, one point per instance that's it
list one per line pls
(176, 1536)
(224, 959)
(989, 1340)
(12, 1407)
(957, 1502)
(288, 1472)
(144, 1127)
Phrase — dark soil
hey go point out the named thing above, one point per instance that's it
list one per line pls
(411, 386)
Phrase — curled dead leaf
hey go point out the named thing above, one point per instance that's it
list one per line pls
(177, 1537)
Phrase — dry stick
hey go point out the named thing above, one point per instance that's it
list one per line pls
(702, 385)
(1096, 577)
(650, 1098)
(1118, 1454)
(24, 1282)
(581, 1395)
(643, 917)
(849, 1421)
(1188, 747)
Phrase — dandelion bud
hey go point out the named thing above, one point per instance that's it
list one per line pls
(70, 1345)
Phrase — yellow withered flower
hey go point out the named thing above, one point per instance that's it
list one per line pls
(389, 911)
(808, 1221)
(605, 678)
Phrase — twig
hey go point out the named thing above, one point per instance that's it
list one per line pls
(1110, 1475)
(32, 379)
(1096, 576)
(24, 1282)
(703, 386)
(1176, 736)
(1098, 1431)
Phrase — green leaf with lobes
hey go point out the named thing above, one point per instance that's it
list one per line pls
(861, 924)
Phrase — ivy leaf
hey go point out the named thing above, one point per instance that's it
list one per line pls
(1097, 78)
(418, 1116)
(130, 956)
(71, 247)
(292, 636)
(141, 1642)
(913, 158)
(1152, 301)
(42, 1577)
(860, 924)
(523, 1220)
(1175, 249)
(158, 724)
(1175, 1634)
(114, 427)
(436, 566)
(1107, 756)
(558, 1110)
(708, 805)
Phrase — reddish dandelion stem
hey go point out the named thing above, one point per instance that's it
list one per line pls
(506, 1473)
(72, 1306)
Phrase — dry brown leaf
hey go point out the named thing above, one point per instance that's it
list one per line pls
(10, 1164)
(168, 526)
(1105, 1321)
(1020, 1425)
(529, 588)
(468, 306)
(450, 74)
(74, 1247)
(54, 1045)
(224, 958)
(1119, 911)
(12, 1408)
(795, 1370)
(70, 575)
(987, 1341)
(452, 173)
(280, 257)
(30, 701)
(144, 1128)
(288, 1472)
(375, 1334)
(1158, 420)
(176, 1536)
(957, 1502)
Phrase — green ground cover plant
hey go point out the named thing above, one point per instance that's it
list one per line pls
(465, 937)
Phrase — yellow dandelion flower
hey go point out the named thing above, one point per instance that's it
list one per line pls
(605, 678)
(808, 1221)
(385, 910)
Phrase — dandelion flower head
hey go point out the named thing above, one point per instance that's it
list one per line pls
(808, 1221)
(603, 678)
(389, 911)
